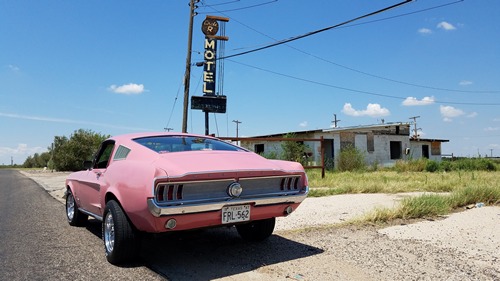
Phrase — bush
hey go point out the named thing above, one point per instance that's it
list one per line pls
(270, 155)
(329, 164)
(489, 165)
(293, 150)
(472, 164)
(432, 166)
(418, 165)
(351, 159)
(445, 166)
(37, 160)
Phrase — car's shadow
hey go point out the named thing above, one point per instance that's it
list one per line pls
(212, 253)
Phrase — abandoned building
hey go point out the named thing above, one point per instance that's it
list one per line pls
(382, 144)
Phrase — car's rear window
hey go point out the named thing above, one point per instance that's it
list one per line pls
(166, 144)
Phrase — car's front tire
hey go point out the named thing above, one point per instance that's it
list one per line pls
(118, 235)
(75, 217)
(256, 230)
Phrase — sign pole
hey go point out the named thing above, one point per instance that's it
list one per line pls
(187, 74)
(206, 124)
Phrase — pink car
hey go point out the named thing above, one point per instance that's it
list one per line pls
(165, 182)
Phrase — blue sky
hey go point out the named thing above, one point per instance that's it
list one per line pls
(117, 67)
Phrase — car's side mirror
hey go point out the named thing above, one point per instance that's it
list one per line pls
(87, 164)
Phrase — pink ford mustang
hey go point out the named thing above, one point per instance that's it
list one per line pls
(164, 182)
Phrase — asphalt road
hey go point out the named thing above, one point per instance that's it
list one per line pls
(36, 242)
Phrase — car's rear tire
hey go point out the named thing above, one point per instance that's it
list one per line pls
(119, 237)
(75, 217)
(256, 230)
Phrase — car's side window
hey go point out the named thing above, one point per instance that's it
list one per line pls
(104, 155)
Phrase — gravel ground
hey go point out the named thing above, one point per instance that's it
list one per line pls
(461, 246)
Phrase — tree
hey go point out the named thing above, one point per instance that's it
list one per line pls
(37, 160)
(69, 154)
(293, 150)
(351, 159)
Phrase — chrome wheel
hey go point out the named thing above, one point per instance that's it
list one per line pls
(109, 233)
(75, 217)
(70, 206)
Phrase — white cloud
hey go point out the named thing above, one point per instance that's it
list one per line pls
(449, 112)
(494, 146)
(465, 83)
(446, 26)
(411, 101)
(372, 110)
(303, 124)
(472, 114)
(35, 118)
(127, 89)
(14, 68)
(69, 121)
(424, 31)
(492, 129)
(19, 153)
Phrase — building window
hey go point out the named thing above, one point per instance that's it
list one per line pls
(435, 148)
(259, 148)
(370, 143)
(425, 151)
(395, 150)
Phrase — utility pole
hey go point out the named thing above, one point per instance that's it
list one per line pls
(237, 128)
(168, 129)
(415, 134)
(335, 121)
(187, 74)
(237, 123)
(52, 157)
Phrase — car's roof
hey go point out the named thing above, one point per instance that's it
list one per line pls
(132, 136)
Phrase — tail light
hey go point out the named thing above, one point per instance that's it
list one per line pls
(291, 183)
(169, 192)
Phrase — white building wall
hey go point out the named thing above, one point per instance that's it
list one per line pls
(360, 141)
(382, 153)
(381, 143)
(416, 150)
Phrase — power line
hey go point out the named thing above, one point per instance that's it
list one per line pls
(360, 71)
(173, 106)
(220, 4)
(318, 31)
(394, 80)
(347, 25)
(238, 9)
(353, 90)
(405, 14)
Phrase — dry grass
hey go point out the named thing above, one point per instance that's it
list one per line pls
(464, 188)
(396, 182)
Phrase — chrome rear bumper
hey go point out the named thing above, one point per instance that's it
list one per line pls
(190, 208)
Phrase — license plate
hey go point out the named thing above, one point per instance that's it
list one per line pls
(232, 214)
